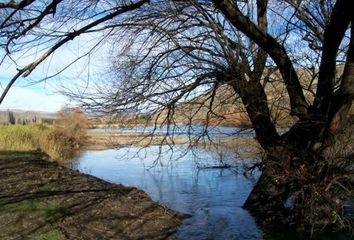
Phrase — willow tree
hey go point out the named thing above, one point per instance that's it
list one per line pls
(176, 50)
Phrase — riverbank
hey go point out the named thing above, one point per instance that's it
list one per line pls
(246, 147)
(44, 200)
(107, 140)
(59, 142)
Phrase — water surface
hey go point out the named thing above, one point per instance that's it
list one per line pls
(189, 130)
(212, 196)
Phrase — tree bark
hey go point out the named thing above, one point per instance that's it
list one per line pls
(286, 170)
(294, 164)
(342, 101)
(270, 192)
(276, 51)
(268, 197)
(333, 37)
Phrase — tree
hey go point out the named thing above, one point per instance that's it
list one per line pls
(302, 148)
(175, 50)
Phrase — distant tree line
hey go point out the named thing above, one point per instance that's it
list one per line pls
(12, 117)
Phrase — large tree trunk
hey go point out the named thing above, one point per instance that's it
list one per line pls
(295, 166)
(274, 187)
(300, 184)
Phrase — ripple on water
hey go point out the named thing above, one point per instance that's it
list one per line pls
(213, 197)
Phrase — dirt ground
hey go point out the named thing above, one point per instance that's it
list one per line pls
(43, 200)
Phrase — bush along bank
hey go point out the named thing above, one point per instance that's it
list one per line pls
(59, 142)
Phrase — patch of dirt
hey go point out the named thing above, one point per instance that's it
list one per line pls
(44, 200)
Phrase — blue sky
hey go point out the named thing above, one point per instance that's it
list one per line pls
(45, 96)
(39, 97)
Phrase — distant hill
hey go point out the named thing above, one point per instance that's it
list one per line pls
(227, 108)
(26, 117)
(224, 107)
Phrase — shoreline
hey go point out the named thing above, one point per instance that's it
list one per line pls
(40, 199)
(108, 139)
(247, 147)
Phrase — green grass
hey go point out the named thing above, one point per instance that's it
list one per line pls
(57, 143)
(50, 211)
(51, 235)
(44, 210)
(36, 215)
(23, 137)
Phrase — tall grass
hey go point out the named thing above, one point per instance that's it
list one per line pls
(59, 143)
(23, 137)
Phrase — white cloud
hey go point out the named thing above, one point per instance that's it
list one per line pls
(30, 99)
(61, 59)
(25, 96)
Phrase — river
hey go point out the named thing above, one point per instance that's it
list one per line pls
(190, 181)
(213, 197)
(185, 130)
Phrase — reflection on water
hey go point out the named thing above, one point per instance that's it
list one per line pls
(212, 196)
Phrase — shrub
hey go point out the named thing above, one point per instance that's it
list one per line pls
(60, 141)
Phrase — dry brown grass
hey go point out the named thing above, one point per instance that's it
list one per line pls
(247, 147)
(60, 141)
(107, 140)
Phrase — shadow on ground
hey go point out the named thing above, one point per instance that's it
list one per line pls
(44, 200)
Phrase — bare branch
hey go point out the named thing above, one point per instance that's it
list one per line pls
(274, 49)
(69, 36)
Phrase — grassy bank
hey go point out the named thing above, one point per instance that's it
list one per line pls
(58, 142)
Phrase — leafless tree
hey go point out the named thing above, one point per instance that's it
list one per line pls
(176, 50)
